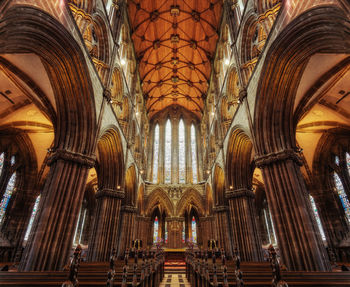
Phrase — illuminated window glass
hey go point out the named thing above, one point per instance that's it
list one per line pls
(343, 198)
(317, 217)
(167, 164)
(183, 232)
(182, 164)
(166, 232)
(2, 158)
(194, 230)
(336, 160)
(6, 198)
(13, 160)
(155, 153)
(80, 226)
(32, 217)
(155, 230)
(348, 161)
(194, 154)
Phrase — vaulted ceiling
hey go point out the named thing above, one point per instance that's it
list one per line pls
(175, 42)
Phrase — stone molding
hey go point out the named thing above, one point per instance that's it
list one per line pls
(220, 208)
(271, 158)
(174, 219)
(75, 157)
(108, 192)
(242, 94)
(206, 218)
(242, 192)
(129, 208)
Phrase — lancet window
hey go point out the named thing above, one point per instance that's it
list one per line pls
(194, 154)
(32, 217)
(155, 230)
(155, 153)
(317, 217)
(182, 162)
(167, 163)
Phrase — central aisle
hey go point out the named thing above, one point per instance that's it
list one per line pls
(175, 280)
(175, 274)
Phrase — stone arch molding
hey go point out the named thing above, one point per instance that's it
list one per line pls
(156, 197)
(190, 196)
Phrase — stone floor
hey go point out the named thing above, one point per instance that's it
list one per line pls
(175, 280)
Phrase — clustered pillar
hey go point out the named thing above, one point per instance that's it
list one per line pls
(127, 227)
(105, 232)
(243, 224)
(300, 244)
(221, 228)
(62, 196)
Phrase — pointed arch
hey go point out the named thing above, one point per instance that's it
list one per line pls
(191, 197)
(159, 197)
(110, 164)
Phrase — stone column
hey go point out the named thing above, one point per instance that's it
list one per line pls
(243, 224)
(221, 228)
(105, 231)
(207, 230)
(127, 229)
(300, 244)
(60, 203)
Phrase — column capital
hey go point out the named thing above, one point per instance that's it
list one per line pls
(67, 155)
(267, 159)
(108, 192)
(129, 208)
(242, 192)
(220, 208)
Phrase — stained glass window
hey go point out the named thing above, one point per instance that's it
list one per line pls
(155, 153)
(155, 230)
(183, 232)
(269, 226)
(32, 217)
(194, 230)
(337, 160)
(167, 164)
(182, 164)
(194, 154)
(2, 158)
(317, 217)
(348, 161)
(6, 198)
(166, 232)
(13, 160)
(343, 198)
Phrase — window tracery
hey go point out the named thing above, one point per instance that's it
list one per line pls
(182, 163)
(342, 195)
(167, 157)
(155, 230)
(194, 155)
(317, 217)
(7, 196)
(32, 217)
(155, 153)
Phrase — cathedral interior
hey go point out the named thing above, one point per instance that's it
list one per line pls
(178, 126)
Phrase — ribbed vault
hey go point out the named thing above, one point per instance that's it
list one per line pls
(175, 42)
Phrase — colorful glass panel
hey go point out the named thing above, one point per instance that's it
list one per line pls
(166, 232)
(167, 164)
(194, 230)
(155, 230)
(317, 217)
(13, 160)
(336, 160)
(155, 153)
(2, 158)
(32, 217)
(348, 162)
(182, 163)
(7, 196)
(342, 195)
(183, 232)
(194, 154)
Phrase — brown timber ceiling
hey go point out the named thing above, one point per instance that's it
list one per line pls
(175, 42)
